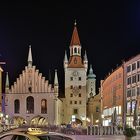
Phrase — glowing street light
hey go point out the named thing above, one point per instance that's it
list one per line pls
(102, 116)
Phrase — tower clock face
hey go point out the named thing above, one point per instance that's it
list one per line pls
(75, 73)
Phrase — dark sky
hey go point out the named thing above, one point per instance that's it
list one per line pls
(109, 31)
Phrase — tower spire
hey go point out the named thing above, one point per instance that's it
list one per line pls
(85, 56)
(91, 74)
(66, 58)
(56, 85)
(75, 37)
(30, 61)
(7, 83)
(75, 23)
(55, 78)
(7, 80)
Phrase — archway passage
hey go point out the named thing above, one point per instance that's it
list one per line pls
(39, 121)
(18, 120)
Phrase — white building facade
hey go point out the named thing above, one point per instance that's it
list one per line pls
(132, 89)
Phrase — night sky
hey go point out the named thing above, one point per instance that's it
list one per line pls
(109, 31)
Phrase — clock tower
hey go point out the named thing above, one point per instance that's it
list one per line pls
(75, 82)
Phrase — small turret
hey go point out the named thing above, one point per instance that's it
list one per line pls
(30, 61)
(56, 85)
(85, 61)
(65, 61)
(91, 83)
(7, 83)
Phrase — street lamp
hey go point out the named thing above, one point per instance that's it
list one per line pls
(102, 116)
(1, 117)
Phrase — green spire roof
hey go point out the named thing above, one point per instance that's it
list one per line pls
(91, 74)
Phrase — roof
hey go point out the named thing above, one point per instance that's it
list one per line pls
(75, 38)
(75, 62)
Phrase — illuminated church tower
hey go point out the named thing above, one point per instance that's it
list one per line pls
(75, 82)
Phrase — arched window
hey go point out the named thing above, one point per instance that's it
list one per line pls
(78, 50)
(16, 106)
(43, 106)
(30, 105)
(75, 50)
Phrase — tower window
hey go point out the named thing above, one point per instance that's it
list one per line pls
(70, 102)
(75, 50)
(71, 78)
(80, 102)
(97, 109)
(80, 95)
(75, 102)
(71, 87)
(71, 95)
(75, 111)
(79, 86)
(79, 78)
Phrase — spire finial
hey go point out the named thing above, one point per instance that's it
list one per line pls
(55, 78)
(7, 80)
(75, 23)
(30, 57)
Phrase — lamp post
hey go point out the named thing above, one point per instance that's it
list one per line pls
(102, 116)
(1, 117)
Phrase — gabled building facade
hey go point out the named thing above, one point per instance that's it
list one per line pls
(32, 99)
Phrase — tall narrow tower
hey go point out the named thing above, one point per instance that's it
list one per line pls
(91, 83)
(75, 83)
